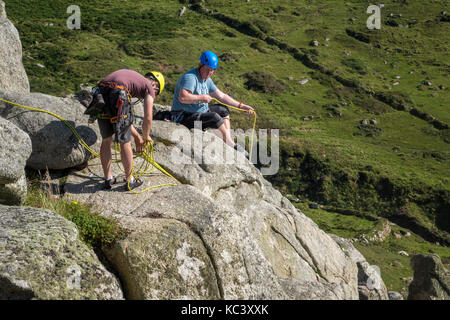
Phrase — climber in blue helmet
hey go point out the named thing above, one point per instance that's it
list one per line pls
(194, 91)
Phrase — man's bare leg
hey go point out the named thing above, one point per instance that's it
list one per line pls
(126, 152)
(106, 156)
(227, 123)
(224, 133)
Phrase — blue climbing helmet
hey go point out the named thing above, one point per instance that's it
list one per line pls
(209, 59)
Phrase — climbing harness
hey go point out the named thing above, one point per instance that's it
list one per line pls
(147, 154)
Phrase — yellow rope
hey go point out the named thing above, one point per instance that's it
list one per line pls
(146, 155)
(60, 118)
(254, 124)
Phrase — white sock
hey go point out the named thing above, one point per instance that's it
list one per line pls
(110, 178)
(131, 179)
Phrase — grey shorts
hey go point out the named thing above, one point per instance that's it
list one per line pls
(107, 130)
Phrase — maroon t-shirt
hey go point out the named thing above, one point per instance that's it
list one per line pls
(137, 85)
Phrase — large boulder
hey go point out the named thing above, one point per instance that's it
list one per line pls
(370, 284)
(41, 257)
(431, 280)
(14, 193)
(54, 145)
(15, 149)
(258, 245)
(163, 259)
(12, 73)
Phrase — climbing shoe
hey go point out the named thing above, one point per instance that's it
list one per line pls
(133, 185)
(109, 183)
(238, 147)
(96, 106)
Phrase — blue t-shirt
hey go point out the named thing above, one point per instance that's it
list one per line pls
(192, 82)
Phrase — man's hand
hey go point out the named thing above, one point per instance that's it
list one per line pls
(139, 142)
(206, 98)
(249, 109)
(147, 139)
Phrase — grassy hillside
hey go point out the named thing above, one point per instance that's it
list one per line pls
(398, 167)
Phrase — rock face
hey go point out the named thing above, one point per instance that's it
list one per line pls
(15, 149)
(12, 73)
(431, 280)
(154, 270)
(232, 235)
(42, 258)
(54, 144)
(370, 283)
(14, 193)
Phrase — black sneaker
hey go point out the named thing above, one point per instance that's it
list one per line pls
(239, 148)
(108, 183)
(133, 185)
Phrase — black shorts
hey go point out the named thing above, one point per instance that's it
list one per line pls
(122, 131)
(107, 130)
(211, 119)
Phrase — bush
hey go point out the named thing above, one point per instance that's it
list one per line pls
(355, 64)
(94, 230)
(264, 82)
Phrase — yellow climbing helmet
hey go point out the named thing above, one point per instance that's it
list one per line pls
(155, 75)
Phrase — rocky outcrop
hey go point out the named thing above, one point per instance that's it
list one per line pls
(15, 149)
(54, 144)
(163, 259)
(431, 280)
(12, 73)
(14, 193)
(370, 283)
(41, 257)
(231, 233)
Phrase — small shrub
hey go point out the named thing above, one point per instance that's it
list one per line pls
(94, 230)
(397, 100)
(230, 56)
(356, 65)
(263, 25)
(372, 105)
(264, 82)
(258, 45)
(368, 131)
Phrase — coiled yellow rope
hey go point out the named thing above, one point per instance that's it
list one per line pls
(147, 154)
(146, 167)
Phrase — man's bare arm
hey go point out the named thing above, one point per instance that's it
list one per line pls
(148, 116)
(187, 97)
(222, 97)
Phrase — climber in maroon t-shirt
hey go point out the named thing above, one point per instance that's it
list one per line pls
(134, 85)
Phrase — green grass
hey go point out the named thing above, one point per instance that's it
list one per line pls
(346, 226)
(94, 230)
(394, 267)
